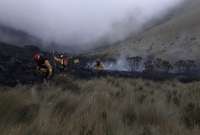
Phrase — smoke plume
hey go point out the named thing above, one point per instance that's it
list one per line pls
(81, 23)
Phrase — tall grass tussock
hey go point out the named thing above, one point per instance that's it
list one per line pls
(102, 106)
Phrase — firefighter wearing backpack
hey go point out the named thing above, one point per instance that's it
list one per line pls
(44, 68)
(61, 62)
(99, 65)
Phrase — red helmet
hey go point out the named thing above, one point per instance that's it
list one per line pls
(36, 56)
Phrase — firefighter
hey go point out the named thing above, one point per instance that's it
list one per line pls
(76, 61)
(99, 65)
(61, 62)
(44, 68)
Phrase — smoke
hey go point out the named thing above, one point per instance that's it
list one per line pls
(120, 64)
(81, 23)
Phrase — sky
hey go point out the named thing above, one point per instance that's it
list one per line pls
(81, 23)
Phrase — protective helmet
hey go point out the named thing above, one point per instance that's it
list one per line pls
(36, 56)
(98, 61)
(61, 56)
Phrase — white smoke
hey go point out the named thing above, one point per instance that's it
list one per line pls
(82, 22)
(120, 65)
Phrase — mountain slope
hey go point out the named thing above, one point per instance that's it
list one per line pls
(17, 37)
(177, 37)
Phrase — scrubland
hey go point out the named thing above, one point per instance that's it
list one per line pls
(101, 106)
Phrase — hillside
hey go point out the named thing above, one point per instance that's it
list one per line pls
(70, 103)
(178, 37)
(16, 64)
(17, 37)
(96, 106)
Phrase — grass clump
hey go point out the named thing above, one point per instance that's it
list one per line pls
(103, 106)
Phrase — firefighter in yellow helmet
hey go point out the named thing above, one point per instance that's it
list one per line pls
(76, 61)
(99, 65)
(44, 68)
(61, 61)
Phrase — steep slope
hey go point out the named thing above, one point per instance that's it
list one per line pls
(176, 38)
(17, 37)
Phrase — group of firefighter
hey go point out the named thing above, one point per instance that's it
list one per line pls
(45, 68)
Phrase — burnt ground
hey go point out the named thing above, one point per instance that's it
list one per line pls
(16, 64)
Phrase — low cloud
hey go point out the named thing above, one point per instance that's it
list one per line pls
(80, 23)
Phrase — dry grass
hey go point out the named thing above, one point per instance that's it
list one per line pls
(104, 106)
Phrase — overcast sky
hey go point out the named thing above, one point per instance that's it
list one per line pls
(77, 22)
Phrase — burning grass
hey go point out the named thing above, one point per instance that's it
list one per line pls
(101, 106)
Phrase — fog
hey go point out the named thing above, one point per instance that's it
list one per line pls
(81, 23)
